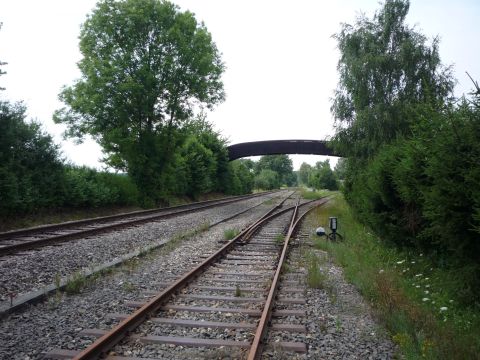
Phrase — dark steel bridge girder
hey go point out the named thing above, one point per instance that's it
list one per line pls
(275, 147)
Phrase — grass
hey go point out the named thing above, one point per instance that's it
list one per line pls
(76, 283)
(279, 239)
(238, 291)
(313, 194)
(229, 234)
(315, 277)
(415, 301)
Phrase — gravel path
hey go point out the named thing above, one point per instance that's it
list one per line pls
(57, 322)
(35, 269)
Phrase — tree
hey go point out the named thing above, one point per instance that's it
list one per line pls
(213, 141)
(281, 164)
(341, 169)
(267, 180)
(303, 173)
(386, 68)
(244, 176)
(201, 165)
(390, 78)
(31, 170)
(145, 67)
(322, 176)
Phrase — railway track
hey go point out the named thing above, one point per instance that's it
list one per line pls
(31, 238)
(221, 308)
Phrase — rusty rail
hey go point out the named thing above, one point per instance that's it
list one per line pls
(107, 340)
(255, 349)
(150, 216)
(115, 335)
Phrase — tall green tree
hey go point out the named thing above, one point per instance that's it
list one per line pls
(390, 78)
(341, 169)
(241, 170)
(303, 173)
(145, 67)
(267, 179)
(281, 164)
(322, 177)
(386, 70)
(31, 168)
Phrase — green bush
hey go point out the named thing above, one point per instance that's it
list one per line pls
(267, 180)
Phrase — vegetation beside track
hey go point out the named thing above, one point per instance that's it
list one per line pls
(58, 215)
(418, 302)
(313, 194)
(411, 147)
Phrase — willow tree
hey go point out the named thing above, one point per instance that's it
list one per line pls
(386, 70)
(390, 80)
(146, 66)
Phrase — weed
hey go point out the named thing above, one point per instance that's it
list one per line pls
(238, 291)
(128, 286)
(75, 283)
(313, 195)
(229, 234)
(177, 239)
(203, 227)
(286, 268)
(57, 280)
(270, 201)
(315, 277)
(279, 239)
(338, 324)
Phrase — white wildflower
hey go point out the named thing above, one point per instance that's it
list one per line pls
(443, 308)
(418, 286)
(400, 262)
(413, 262)
(427, 292)
(425, 299)
(418, 275)
(381, 271)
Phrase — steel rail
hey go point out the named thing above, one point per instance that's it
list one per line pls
(255, 349)
(68, 224)
(115, 335)
(28, 244)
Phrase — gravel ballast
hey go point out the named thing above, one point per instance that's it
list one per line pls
(35, 269)
(57, 323)
(339, 323)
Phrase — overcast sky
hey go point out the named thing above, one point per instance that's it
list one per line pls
(280, 57)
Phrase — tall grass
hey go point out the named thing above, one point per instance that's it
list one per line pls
(229, 234)
(313, 194)
(315, 277)
(418, 303)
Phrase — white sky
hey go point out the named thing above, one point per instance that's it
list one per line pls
(280, 58)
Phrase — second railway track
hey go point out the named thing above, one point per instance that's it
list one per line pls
(25, 239)
(223, 305)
